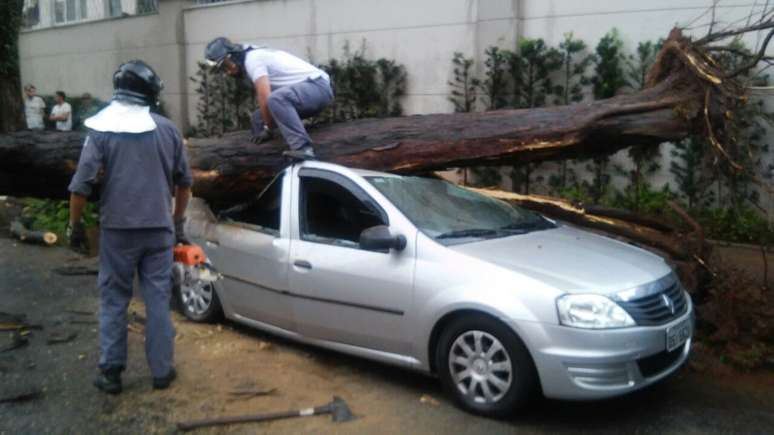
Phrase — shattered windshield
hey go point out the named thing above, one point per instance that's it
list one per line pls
(451, 214)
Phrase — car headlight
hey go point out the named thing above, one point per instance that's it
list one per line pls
(592, 312)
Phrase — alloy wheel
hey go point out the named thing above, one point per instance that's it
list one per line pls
(196, 297)
(480, 367)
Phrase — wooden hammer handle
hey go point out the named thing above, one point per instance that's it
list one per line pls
(195, 424)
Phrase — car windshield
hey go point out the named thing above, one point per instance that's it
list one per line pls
(451, 214)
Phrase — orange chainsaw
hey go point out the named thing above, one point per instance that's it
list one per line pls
(191, 268)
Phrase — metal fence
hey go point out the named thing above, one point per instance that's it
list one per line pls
(49, 13)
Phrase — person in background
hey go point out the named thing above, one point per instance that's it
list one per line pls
(34, 108)
(62, 113)
(88, 108)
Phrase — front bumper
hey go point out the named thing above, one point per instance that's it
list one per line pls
(582, 364)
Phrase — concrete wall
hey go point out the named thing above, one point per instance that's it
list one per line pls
(82, 57)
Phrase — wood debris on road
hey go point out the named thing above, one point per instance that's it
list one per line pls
(17, 341)
(22, 396)
(61, 337)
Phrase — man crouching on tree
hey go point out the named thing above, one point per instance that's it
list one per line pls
(140, 158)
(287, 88)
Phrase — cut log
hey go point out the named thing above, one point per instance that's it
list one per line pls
(21, 232)
(230, 168)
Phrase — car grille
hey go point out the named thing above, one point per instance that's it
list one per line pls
(655, 364)
(653, 310)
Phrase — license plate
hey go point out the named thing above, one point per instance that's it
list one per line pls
(678, 334)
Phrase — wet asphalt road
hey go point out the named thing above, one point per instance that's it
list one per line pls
(386, 399)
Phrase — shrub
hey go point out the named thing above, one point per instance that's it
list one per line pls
(53, 215)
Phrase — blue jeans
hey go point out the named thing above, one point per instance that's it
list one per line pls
(149, 253)
(290, 104)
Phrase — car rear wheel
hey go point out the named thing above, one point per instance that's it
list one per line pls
(199, 302)
(485, 367)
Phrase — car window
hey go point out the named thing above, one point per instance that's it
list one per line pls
(451, 214)
(262, 214)
(331, 213)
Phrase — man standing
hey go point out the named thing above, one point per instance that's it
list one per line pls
(140, 159)
(88, 108)
(287, 89)
(62, 113)
(34, 108)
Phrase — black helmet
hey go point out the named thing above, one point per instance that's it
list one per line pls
(220, 49)
(136, 82)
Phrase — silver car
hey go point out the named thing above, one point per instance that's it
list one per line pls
(499, 302)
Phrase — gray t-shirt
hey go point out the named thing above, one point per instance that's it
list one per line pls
(139, 172)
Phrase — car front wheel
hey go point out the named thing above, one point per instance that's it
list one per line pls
(485, 367)
(199, 302)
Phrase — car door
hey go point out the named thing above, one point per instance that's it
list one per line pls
(252, 255)
(343, 293)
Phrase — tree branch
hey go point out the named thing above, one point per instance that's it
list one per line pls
(736, 51)
(726, 34)
(754, 61)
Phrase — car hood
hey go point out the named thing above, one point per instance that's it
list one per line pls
(571, 260)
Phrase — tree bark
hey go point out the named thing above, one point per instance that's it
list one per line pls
(11, 104)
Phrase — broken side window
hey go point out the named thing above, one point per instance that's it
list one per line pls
(264, 212)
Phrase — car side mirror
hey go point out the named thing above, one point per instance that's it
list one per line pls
(378, 238)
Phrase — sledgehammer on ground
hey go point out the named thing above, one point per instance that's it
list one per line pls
(338, 410)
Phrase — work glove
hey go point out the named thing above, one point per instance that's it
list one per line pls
(76, 232)
(264, 135)
(180, 236)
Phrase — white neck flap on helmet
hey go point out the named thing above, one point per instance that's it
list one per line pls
(120, 117)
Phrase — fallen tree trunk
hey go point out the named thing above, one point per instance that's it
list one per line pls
(229, 168)
(685, 93)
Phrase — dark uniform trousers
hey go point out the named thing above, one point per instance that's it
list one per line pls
(149, 253)
(290, 104)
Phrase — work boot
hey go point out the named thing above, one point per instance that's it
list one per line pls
(163, 382)
(109, 381)
(303, 153)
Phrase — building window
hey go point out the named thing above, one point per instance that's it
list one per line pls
(31, 13)
(68, 11)
(114, 8)
(147, 6)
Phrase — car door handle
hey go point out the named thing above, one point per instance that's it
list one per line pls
(302, 264)
(212, 243)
